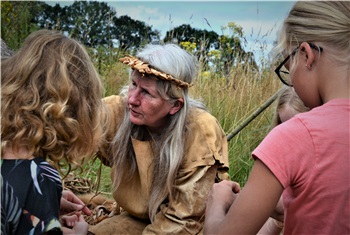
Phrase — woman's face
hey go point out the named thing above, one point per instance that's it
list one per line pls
(146, 106)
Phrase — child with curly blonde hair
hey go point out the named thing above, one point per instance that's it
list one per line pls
(50, 113)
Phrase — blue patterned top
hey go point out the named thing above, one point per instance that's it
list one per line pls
(31, 191)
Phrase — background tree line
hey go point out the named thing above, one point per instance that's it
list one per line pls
(96, 25)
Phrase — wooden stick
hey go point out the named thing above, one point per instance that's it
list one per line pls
(253, 115)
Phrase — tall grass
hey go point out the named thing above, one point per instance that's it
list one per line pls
(231, 100)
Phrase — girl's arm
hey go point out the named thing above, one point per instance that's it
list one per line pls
(250, 209)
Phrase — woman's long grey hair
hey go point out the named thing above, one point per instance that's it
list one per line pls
(169, 148)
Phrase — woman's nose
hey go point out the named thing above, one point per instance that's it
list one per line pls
(134, 98)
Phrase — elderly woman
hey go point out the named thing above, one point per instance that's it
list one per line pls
(165, 150)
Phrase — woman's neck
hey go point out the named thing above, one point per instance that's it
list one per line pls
(22, 153)
(155, 136)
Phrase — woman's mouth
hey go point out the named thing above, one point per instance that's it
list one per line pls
(133, 112)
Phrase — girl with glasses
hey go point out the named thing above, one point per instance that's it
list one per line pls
(307, 157)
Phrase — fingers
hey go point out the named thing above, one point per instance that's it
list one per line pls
(223, 193)
(70, 196)
(69, 220)
(81, 226)
(74, 224)
(69, 206)
(86, 210)
(81, 218)
(236, 188)
(70, 202)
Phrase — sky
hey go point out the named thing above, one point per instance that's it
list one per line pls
(260, 20)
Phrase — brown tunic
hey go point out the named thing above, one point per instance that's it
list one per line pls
(205, 161)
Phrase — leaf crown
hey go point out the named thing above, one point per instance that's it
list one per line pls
(146, 68)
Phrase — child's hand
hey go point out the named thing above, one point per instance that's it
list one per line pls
(70, 203)
(74, 224)
(223, 194)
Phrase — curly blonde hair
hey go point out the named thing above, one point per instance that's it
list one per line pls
(50, 99)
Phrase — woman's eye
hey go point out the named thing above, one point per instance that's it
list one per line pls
(145, 92)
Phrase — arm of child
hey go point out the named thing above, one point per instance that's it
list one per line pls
(250, 209)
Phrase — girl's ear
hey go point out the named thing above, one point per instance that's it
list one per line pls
(178, 104)
(307, 53)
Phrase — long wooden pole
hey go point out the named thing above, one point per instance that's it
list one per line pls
(253, 115)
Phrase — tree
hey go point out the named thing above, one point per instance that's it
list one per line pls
(203, 39)
(185, 33)
(17, 21)
(132, 33)
(96, 24)
(50, 17)
(232, 51)
(89, 21)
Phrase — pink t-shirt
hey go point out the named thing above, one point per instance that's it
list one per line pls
(309, 155)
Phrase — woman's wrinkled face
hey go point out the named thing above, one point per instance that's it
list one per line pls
(145, 104)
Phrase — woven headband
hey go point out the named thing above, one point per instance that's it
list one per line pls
(144, 67)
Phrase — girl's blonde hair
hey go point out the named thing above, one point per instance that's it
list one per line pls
(287, 96)
(320, 22)
(50, 99)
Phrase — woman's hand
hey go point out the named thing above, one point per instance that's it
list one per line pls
(70, 202)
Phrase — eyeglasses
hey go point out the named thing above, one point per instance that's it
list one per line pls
(284, 75)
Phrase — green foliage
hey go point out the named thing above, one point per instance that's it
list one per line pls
(185, 33)
(99, 175)
(95, 23)
(232, 51)
(130, 33)
(16, 21)
(89, 176)
(189, 46)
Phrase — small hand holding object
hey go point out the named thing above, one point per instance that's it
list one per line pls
(223, 194)
(70, 203)
(74, 224)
